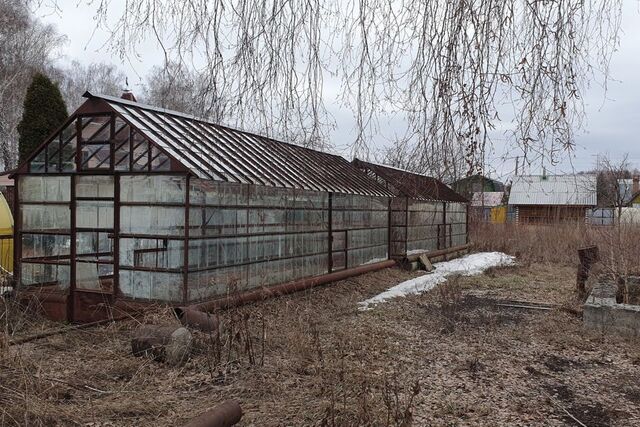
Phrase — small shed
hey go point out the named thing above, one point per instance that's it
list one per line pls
(487, 207)
(475, 184)
(426, 215)
(549, 199)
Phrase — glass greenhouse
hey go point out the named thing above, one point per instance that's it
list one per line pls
(127, 202)
(426, 215)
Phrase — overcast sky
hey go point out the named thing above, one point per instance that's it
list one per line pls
(612, 124)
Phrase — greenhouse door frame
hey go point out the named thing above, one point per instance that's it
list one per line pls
(86, 304)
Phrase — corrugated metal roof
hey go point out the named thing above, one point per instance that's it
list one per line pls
(487, 198)
(576, 190)
(409, 184)
(216, 152)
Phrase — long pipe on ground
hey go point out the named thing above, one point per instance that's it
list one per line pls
(197, 315)
(226, 414)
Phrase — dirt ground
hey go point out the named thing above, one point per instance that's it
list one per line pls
(451, 357)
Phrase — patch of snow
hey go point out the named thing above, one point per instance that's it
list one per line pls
(375, 260)
(468, 265)
(418, 251)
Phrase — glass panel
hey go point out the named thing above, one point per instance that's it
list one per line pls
(140, 152)
(45, 217)
(159, 160)
(69, 156)
(94, 186)
(34, 274)
(94, 214)
(68, 143)
(152, 220)
(46, 245)
(96, 129)
(45, 189)
(121, 146)
(152, 189)
(94, 245)
(95, 276)
(151, 285)
(152, 253)
(53, 155)
(95, 156)
(37, 165)
(218, 193)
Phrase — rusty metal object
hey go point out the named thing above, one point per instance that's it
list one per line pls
(226, 414)
(283, 289)
(169, 344)
(196, 319)
(587, 255)
(406, 262)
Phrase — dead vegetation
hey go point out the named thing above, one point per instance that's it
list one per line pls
(618, 247)
(453, 356)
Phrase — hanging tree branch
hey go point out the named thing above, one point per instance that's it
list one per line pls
(454, 69)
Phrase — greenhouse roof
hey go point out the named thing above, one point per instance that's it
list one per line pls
(212, 151)
(409, 184)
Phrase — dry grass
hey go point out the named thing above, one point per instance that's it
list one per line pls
(619, 247)
(558, 243)
(449, 357)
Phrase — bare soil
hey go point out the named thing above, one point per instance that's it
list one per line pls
(451, 357)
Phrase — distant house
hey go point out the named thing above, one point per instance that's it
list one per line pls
(475, 184)
(629, 192)
(547, 199)
(485, 206)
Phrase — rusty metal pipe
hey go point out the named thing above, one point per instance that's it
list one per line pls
(198, 319)
(226, 414)
(186, 313)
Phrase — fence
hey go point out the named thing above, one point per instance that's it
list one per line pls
(609, 216)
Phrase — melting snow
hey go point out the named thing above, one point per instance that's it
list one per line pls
(469, 265)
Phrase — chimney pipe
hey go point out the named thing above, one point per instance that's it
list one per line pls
(128, 95)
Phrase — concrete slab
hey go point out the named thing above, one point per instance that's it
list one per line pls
(603, 313)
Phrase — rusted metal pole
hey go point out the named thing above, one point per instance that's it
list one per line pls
(283, 289)
(197, 319)
(226, 414)
(587, 255)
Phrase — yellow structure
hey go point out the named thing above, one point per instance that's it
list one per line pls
(6, 236)
(499, 215)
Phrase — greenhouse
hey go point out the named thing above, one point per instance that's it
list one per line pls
(426, 215)
(128, 202)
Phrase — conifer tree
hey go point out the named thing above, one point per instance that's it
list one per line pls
(44, 111)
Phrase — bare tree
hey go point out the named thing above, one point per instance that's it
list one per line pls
(615, 188)
(26, 46)
(76, 78)
(448, 67)
(175, 87)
